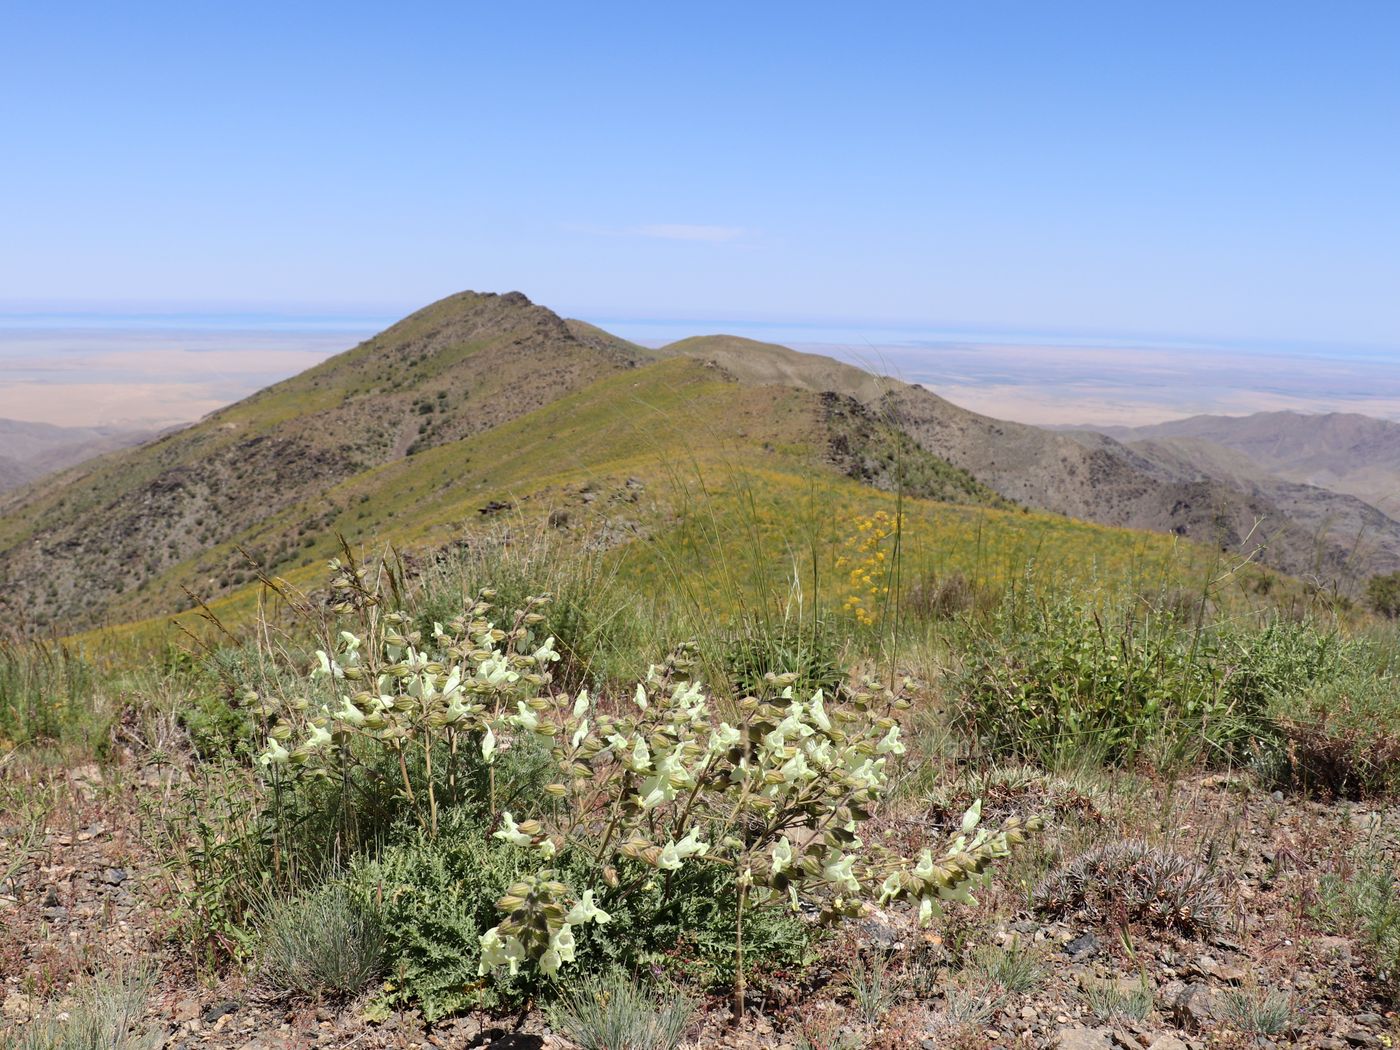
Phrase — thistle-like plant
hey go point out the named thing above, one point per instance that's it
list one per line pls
(776, 793)
(775, 790)
(1139, 882)
(396, 691)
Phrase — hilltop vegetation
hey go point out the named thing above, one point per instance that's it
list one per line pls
(480, 403)
(462, 802)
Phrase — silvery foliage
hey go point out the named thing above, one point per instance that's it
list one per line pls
(775, 788)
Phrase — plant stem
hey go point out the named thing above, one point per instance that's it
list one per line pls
(428, 771)
(739, 988)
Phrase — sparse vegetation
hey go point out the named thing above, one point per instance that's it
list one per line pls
(107, 1012)
(1362, 895)
(1131, 881)
(614, 1013)
(1383, 594)
(1108, 1002)
(1258, 1011)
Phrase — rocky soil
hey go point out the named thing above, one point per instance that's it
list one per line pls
(83, 889)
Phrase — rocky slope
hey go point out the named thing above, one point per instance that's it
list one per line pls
(31, 450)
(487, 400)
(1300, 529)
(71, 546)
(1341, 451)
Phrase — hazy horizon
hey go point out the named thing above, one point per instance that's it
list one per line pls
(1227, 172)
(151, 371)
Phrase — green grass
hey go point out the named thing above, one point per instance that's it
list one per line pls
(613, 1012)
(732, 505)
(1362, 897)
(46, 694)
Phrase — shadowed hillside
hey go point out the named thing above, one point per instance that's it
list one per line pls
(1302, 529)
(31, 450)
(1341, 451)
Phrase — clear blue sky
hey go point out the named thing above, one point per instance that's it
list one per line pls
(1214, 169)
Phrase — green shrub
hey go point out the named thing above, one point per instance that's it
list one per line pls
(322, 944)
(437, 896)
(1056, 681)
(216, 713)
(1363, 898)
(596, 624)
(614, 1013)
(1337, 735)
(434, 898)
(645, 794)
(1383, 594)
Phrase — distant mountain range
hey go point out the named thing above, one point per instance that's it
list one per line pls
(1341, 451)
(483, 400)
(31, 450)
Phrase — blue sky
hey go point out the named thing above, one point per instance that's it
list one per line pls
(1216, 170)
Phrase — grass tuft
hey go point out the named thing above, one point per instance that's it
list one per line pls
(613, 1012)
(107, 1014)
(320, 945)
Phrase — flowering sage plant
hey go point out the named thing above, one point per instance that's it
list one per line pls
(774, 789)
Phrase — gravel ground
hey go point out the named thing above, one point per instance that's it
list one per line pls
(86, 891)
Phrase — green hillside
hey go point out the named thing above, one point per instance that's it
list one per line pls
(84, 545)
(702, 493)
(712, 464)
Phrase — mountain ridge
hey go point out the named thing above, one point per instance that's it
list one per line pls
(1299, 529)
(484, 401)
(1345, 452)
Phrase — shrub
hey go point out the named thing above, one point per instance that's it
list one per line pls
(1134, 882)
(672, 787)
(321, 944)
(437, 896)
(614, 1013)
(1383, 594)
(46, 693)
(596, 625)
(1364, 899)
(1052, 680)
(774, 802)
(1339, 735)
(943, 597)
(434, 898)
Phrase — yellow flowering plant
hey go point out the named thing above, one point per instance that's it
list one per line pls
(774, 789)
(776, 794)
(864, 566)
